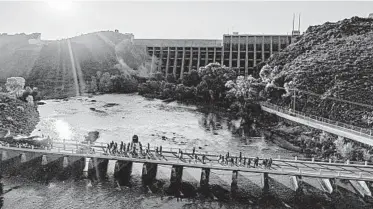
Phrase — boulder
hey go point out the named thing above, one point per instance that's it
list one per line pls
(92, 136)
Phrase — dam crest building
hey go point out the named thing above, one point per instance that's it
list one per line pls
(239, 51)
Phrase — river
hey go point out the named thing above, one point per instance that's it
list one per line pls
(117, 118)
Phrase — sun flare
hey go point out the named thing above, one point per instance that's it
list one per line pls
(60, 5)
(63, 130)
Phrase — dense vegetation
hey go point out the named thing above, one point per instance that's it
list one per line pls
(333, 60)
(17, 116)
(327, 65)
(18, 112)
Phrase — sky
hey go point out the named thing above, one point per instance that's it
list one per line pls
(171, 19)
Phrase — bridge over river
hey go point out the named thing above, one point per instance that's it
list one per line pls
(79, 160)
(358, 134)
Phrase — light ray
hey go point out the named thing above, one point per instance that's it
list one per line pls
(73, 68)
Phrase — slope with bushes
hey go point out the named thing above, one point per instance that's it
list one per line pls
(329, 63)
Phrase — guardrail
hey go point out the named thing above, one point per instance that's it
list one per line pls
(358, 130)
(323, 173)
(80, 148)
(215, 154)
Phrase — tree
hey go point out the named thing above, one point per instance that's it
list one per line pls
(213, 78)
(93, 85)
(170, 78)
(324, 137)
(266, 73)
(105, 83)
(244, 89)
(344, 149)
(99, 74)
(191, 78)
(14, 85)
(116, 83)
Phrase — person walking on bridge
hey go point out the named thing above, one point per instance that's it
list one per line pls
(121, 147)
(270, 162)
(256, 162)
(107, 151)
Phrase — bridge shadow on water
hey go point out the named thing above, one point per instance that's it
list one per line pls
(34, 170)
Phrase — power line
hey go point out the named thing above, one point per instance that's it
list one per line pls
(327, 97)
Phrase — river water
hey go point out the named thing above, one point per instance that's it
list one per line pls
(183, 126)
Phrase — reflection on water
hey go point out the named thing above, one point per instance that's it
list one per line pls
(179, 126)
(63, 130)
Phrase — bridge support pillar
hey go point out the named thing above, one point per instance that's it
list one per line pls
(149, 172)
(4, 155)
(65, 162)
(44, 160)
(23, 158)
(205, 177)
(234, 184)
(326, 185)
(97, 168)
(361, 187)
(265, 184)
(176, 179)
(298, 184)
(71, 166)
(122, 172)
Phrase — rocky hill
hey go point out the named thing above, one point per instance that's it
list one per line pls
(17, 116)
(17, 54)
(333, 60)
(63, 68)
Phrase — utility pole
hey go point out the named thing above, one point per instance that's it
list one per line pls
(294, 100)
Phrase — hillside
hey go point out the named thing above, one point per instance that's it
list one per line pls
(333, 60)
(63, 68)
(17, 55)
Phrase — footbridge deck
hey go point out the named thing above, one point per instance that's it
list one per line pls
(169, 156)
(341, 129)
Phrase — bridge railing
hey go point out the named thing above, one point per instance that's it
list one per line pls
(336, 124)
(211, 155)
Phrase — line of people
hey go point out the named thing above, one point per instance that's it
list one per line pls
(135, 148)
(243, 161)
(114, 149)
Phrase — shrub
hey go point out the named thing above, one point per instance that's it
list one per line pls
(191, 78)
